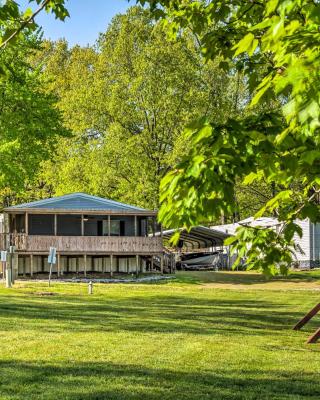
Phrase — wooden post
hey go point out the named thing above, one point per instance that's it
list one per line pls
(135, 226)
(85, 264)
(23, 266)
(314, 338)
(9, 272)
(111, 265)
(151, 267)
(15, 266)
(77, 265)
(31, 265)
(307, 317)
(128, 265)
(55, 224)
(68, 264)
(14, 223)
(137, 265)
(61, 265)
(26, 224)
(161, 264)
(58, 264)
(153, 226)
(82, 225)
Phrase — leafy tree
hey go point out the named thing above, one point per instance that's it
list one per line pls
(275, 43)
(127, 103)
(29, 121)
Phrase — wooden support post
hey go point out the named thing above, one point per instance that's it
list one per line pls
(77, 265)
(55, 224)
(26, 223)
(14, 218)
(128, 265)
(307, 317)
(137, 265)
(68, 264)
(161, 264)
(85, 264)
(31, 265)
(82, 225)
(111, 265)
(135, 226)
(58, 264)
(23, 266)
(314, 338)
(92, 264)
(151, 267)
(15, 266)
(153, 226)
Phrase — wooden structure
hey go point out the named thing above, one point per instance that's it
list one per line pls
(90, 234)
(316, 335)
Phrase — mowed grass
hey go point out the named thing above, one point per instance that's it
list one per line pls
(187, 339)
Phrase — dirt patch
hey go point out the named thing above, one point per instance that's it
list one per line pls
(44, 294)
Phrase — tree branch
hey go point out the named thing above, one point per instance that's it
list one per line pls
(24, 24)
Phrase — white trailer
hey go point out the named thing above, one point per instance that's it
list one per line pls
(308, 255)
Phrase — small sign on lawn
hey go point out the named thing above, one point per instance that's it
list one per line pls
(3, 256)
(52, 255)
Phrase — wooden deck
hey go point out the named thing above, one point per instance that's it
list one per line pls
(30, 244)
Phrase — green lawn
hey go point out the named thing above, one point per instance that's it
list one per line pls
(188, 339)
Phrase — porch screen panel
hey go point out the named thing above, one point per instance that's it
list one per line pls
(69, 225)
(41, 224)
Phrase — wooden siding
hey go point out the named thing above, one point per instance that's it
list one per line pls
(83, 244)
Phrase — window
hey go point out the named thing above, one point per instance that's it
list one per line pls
(115, 228)
(105, 229)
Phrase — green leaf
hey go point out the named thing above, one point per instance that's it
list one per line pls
(310, 156)
(247, 44)
(230, 240)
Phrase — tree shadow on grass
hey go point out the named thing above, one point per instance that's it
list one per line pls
(165, 314)
(105, 380)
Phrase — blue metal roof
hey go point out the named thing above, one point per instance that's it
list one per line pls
(78, 201)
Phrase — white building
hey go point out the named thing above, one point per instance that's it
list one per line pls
(308, 255)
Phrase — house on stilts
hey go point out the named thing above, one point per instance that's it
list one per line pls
(90, 234)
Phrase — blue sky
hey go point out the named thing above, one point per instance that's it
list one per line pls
(87, 19)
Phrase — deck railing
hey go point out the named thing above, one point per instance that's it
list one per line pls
(82, 244)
